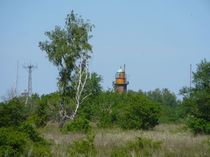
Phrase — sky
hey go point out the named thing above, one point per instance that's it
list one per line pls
(156, 39)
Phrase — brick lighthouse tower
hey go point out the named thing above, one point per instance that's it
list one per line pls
(120, 83)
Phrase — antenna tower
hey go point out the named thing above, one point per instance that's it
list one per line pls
(16, 82)
(29, 68)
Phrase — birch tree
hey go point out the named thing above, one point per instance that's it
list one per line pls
(69, 50)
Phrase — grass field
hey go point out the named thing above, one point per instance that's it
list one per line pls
(165, 140)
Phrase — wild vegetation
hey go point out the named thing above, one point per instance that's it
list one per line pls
(81, 119)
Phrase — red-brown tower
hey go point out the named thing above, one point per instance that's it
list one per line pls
(120, 83)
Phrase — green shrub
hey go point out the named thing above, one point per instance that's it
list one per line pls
(30, 131)
(197, 125)
(41, 113)
(129, 111)
(39, 150)
(207, 128)
(137, 113)
(105, 120)
(84, 147)
(12, 142)
(12, 113)
(120, 152)
(79, 124)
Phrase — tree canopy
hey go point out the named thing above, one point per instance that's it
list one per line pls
(65, 45)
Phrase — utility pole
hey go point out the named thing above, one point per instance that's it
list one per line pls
(29, 68)
(190, 77)
(16, 83)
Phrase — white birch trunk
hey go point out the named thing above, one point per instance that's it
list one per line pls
(82, 76)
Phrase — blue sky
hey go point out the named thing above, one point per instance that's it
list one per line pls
(156, 39)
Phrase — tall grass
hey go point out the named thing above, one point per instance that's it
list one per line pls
(173, 140)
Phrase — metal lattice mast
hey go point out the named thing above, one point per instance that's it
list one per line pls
(29, 68)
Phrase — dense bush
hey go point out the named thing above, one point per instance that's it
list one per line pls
(129, 110)
(30, 132)
(41, 113)
(198, 125)
(84, 147)
(18, 135)
(12, 142)
(80, 124)
(137, 113)
(40, 150)
(13, 113)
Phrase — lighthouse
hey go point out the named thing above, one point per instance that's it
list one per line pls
(120, 83)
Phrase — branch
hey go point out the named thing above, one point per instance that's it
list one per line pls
(85, 97)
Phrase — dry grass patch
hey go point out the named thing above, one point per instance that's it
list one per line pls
(175, 141)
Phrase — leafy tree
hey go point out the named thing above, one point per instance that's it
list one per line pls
(155, 95)
(93, 85)
(164, 96)
(202, 89)
(68, 49)
(196, 101)
(168, 103)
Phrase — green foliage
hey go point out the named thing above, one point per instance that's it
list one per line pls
(69, 50)
(138, 113)
(79, 124)
(39, 150)
(92, 90)
(65, 46)
(104, 108)
(198, 125)
(51, 106)
(196, 102)
(30, 131)
(93, 85)
(170, 114)
(164, 97)
(140, 147)
(12, 142)
(189, 106)
(129, 111)
(168, 102)
(41, 113)
(84, 147)
(12, 113)
(18, 135)
(202, 89)
(37, 146)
